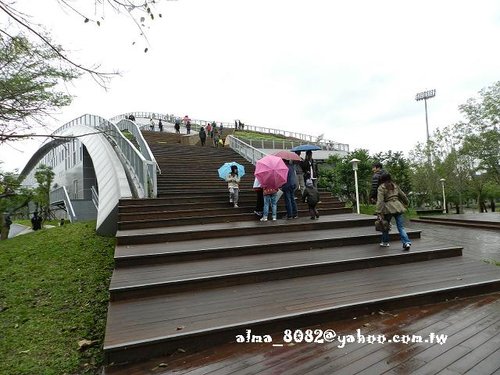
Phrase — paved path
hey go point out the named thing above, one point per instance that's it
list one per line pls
(17, 229)
(482, 244)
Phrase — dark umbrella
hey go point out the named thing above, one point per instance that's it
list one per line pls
(306, 148)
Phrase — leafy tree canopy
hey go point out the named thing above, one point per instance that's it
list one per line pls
(481, 131)
(29, 76)
(44, 176)
(32, 65)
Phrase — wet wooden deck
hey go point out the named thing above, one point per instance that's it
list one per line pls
(472, 346)
(472, 325)
(485, 220)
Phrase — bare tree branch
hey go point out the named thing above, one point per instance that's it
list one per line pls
(100, 77)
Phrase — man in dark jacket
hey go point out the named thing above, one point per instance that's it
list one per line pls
(377, 172)
(203, 136)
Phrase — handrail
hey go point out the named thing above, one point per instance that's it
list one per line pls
(323, 143)
(61, 194)
(95, 197)
(249, 152)
(144, 149)
(147, 115)
(286, 144)
(142, 171)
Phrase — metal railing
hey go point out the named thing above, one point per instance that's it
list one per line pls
(95, 197)
(142, 171)
(145, 115)
(249, 152)
(60, 194)
(144, 149)
(286, 144)
(196, 124)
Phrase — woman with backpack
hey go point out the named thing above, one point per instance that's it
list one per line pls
(392, 202)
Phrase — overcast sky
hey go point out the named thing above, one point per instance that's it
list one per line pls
(346, 69)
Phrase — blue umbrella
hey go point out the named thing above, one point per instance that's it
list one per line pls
(306, 148)
(225, 169)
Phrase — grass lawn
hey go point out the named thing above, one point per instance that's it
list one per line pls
(258, 136)
(53, 294)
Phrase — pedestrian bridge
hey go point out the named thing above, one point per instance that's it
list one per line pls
(98, 161)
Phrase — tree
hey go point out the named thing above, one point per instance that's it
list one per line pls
(29, 76)
(337, 175)
(44, 176)
(481, 131)
(466, 154)
(455, 169)
(398, 166)
(12, 196)
(139, 11)
(32, 65)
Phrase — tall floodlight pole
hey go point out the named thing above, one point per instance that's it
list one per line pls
(424, 95)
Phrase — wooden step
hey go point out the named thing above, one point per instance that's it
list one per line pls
(201, 200)
(161, 278)
(157, 325)
(488, 221)
(221, 230)
(204, 217)
(155, 253)
(246, 204)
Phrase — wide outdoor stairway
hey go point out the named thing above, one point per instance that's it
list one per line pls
(192, 271)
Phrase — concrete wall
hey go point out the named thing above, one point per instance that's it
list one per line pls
(84, 209)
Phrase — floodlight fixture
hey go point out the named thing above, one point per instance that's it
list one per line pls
(424, 95)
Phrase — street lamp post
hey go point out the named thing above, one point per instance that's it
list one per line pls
(424, 95)
(354, 163)
(444, 196)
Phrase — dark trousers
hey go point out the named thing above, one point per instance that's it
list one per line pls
(291, 206)
(313, 211)
(259, 205)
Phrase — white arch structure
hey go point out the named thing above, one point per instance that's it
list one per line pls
(121, 170)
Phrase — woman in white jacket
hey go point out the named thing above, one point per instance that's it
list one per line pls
(233, 181)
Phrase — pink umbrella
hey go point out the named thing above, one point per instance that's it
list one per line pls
(287, 155)
(271, 171)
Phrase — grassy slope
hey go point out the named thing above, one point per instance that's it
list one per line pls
(258, 136)
(54, 293)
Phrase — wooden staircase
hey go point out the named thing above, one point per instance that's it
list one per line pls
(191, 271)
(488, 220)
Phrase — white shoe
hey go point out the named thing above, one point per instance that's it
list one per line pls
(385, 244)
(274, 219)
(235, 205)
(263, 219)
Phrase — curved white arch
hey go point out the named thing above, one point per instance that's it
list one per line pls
(110, 173)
